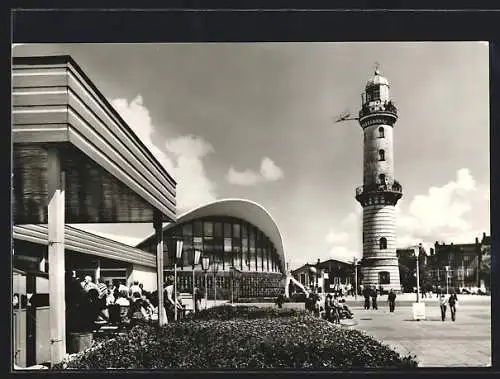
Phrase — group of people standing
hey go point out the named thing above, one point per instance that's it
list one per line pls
(372, 293)
(444, 301)
(332, 307)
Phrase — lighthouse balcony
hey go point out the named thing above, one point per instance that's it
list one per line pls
(391, 193)
(378, 107)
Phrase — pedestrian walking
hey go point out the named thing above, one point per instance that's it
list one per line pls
(392, 300)
(280, 300)
(443, 301)
(373, 295)
(366, 295)
(452, 301)
(328, 307)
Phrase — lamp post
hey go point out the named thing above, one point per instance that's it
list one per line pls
(196, 259)
(215, 269)
(231, 272)
(447, 268)
(417, 253)
(318, 273)
(355, 279)
(205, 263)
(178, 255)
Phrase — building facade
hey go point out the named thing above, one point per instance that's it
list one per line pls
(465, 264)
(85, 254)
(240, 236)
(326, 275)
(380, 191)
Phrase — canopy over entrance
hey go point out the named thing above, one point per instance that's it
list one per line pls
(110, 174)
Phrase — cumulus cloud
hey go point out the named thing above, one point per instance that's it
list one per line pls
(344, 241)
(441, 213)
(181, 156)
(335, 237)
(453, 212)
(269, 171)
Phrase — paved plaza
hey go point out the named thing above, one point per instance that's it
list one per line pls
(463, 343)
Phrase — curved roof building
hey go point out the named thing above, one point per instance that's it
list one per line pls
(240, 235)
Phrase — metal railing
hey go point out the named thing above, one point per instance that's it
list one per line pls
(395, 187)
(386, 107)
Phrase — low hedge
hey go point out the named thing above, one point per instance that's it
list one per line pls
(294, 342)
(248, 312)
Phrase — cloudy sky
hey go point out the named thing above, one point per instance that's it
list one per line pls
(256, 121)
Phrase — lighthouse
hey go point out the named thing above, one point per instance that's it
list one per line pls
(380, 191)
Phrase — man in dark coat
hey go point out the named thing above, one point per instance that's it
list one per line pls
(392, 300)
(280, 300)
(366, 295)
(452, 301)
(373, 295)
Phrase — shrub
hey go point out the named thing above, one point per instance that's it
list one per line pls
(248, 312)
(231, 341)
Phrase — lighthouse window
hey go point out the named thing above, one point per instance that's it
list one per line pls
(373, 93)
(383, 243)
(384, 277)
(381, 155)
(381, 132)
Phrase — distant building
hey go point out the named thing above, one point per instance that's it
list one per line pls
(464, 262)
(326, 275)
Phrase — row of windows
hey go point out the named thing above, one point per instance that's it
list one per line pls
(233, 242)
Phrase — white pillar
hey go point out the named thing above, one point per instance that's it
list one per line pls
(98, 270)
(56, 205)
(158, 226)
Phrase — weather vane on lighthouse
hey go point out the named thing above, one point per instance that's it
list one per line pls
(380, 191)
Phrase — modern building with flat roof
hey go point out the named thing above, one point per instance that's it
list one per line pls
(75, 160)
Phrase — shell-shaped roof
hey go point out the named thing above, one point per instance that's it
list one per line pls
(247, 210)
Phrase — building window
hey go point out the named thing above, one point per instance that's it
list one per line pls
(383, 243)
(381, 177)
(381, 132)
(384, 277)
(381, 155)
(208, 229)
(198, 228)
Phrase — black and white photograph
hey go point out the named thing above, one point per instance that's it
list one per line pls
(251, 206)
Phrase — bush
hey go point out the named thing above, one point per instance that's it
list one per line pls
(256, 300)
(228, 312)
(237, 338)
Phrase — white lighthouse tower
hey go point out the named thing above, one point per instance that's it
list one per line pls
(380, 191)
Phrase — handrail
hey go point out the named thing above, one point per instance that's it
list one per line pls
(395, 187)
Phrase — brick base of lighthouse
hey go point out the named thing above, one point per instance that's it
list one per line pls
(373, 270)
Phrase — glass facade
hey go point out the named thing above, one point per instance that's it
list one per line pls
(231, 242)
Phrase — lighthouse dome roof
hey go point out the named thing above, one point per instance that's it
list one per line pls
(377, 79)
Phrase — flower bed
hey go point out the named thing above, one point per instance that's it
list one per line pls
(275, 340)
(249, 312)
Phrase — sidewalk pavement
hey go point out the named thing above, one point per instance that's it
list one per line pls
(463, 343)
